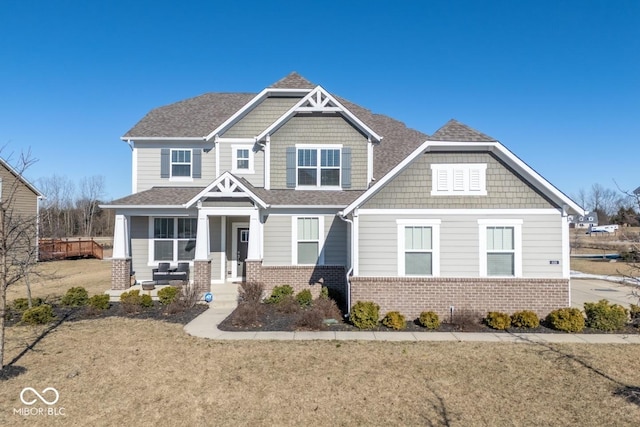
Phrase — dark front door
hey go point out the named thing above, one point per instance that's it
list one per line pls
(243, 247)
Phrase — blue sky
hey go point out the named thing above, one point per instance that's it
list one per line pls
(557, 82)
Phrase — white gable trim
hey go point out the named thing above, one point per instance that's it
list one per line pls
(495, 147)
(319, 100)
(250, 106)
(226, 185)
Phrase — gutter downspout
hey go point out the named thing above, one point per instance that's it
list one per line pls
(350, 270)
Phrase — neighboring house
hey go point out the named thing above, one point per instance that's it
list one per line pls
(21, 204)
(295, 185)
(588, 220)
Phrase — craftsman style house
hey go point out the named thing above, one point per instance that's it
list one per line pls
(295, 185)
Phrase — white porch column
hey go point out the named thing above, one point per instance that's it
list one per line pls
(121, 238)
(255, 236)
(202, 236)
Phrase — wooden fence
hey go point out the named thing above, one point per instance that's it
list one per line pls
(57, 249)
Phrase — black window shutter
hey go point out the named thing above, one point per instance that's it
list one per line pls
(291, 167)
(164, 163)
(346, 167)
(197, 163)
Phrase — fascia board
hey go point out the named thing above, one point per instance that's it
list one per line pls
(218, 181)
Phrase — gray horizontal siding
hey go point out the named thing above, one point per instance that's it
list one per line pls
(459, 244)
(139, 232)
(335, 245)
(261, 117)
(411, 189)
(215, 246)
(226, 163)
(277, 240)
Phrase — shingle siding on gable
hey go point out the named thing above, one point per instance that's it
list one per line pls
(318, 130)
(25, 201)
(412, 188)
(148, 155)
(226, 163)
(260, 117)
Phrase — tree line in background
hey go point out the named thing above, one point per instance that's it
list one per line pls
(70, 210)
(613, 206)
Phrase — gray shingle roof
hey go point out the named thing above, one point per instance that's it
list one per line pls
(159, 196)
(293, 81)
(453, 130)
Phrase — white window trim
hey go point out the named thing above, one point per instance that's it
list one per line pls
(319, 147)
(171, 163)
(517, 244)
(294, 239)
(455, 188)
(435, 244)
(234, 159)
(152, 262)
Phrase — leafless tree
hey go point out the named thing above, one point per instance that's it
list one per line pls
(57, 215)
(18, 238)
(91, 191)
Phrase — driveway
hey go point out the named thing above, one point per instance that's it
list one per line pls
(593, 290)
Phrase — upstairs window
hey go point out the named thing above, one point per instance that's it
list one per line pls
(181, 163)
(318, 167)
(458, 179)
(242, 159)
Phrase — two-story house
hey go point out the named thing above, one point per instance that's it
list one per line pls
(295, 185)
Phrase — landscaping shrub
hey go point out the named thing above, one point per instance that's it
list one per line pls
(288, 304)
(146, 301)
(324, 293)
(75, 297)
(247, 314)
(364, 315)
(394, 320)
(304, 298)
(498, 320)
(429, 320)
(634, 314)
(251, 292)
(168, 294)
(465, 319)
(310, 319)
(99, 302)
(327, 307)
(21, 304)
(566, 319)
(131, 301)
(279, 293)
(525, 319)
(39, 315)
(604, 316)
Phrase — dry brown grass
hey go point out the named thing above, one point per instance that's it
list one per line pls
(604, 267)
(136, 372)
(53, 278)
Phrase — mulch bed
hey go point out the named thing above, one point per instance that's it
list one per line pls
(157, 312)
(272, 320)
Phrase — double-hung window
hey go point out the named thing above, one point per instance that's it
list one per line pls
(181, 163)
(308, 239)
(500, 248)
(242, 159)
(418, 247)
(318, 166)
(174, 239)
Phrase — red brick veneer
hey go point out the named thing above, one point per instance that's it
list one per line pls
(120, 273)
(202, 276)
(410, 296)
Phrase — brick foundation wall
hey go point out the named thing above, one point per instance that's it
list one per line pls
(202, 276)
(410, 296)
(120, 273)
(299, 278)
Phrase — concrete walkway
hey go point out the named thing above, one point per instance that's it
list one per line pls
(206, 326)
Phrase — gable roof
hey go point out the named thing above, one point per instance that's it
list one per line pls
(293, 81)
(20, 178)
(227, 185)
(453, 130)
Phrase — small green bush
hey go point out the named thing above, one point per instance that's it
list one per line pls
(146, 301)
(21, 304)
(168, 294)
(39, 315)
(99, 302)
(525, 319)
(498, 320)
(604, 316)
(131, 297)
(279, 293)
(365, 314)
(304, 298)
(324, 292)
(566, 319)
(429, 320)
(634, 311)
(394, 320)
(75, 297)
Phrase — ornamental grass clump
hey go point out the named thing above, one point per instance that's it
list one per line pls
(604, 316)
(394, 320)
(429, 320)
(525, 319)
(365, 315)
(498, 320)
(566, 319)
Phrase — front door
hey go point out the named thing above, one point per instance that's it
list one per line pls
(242, 243)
